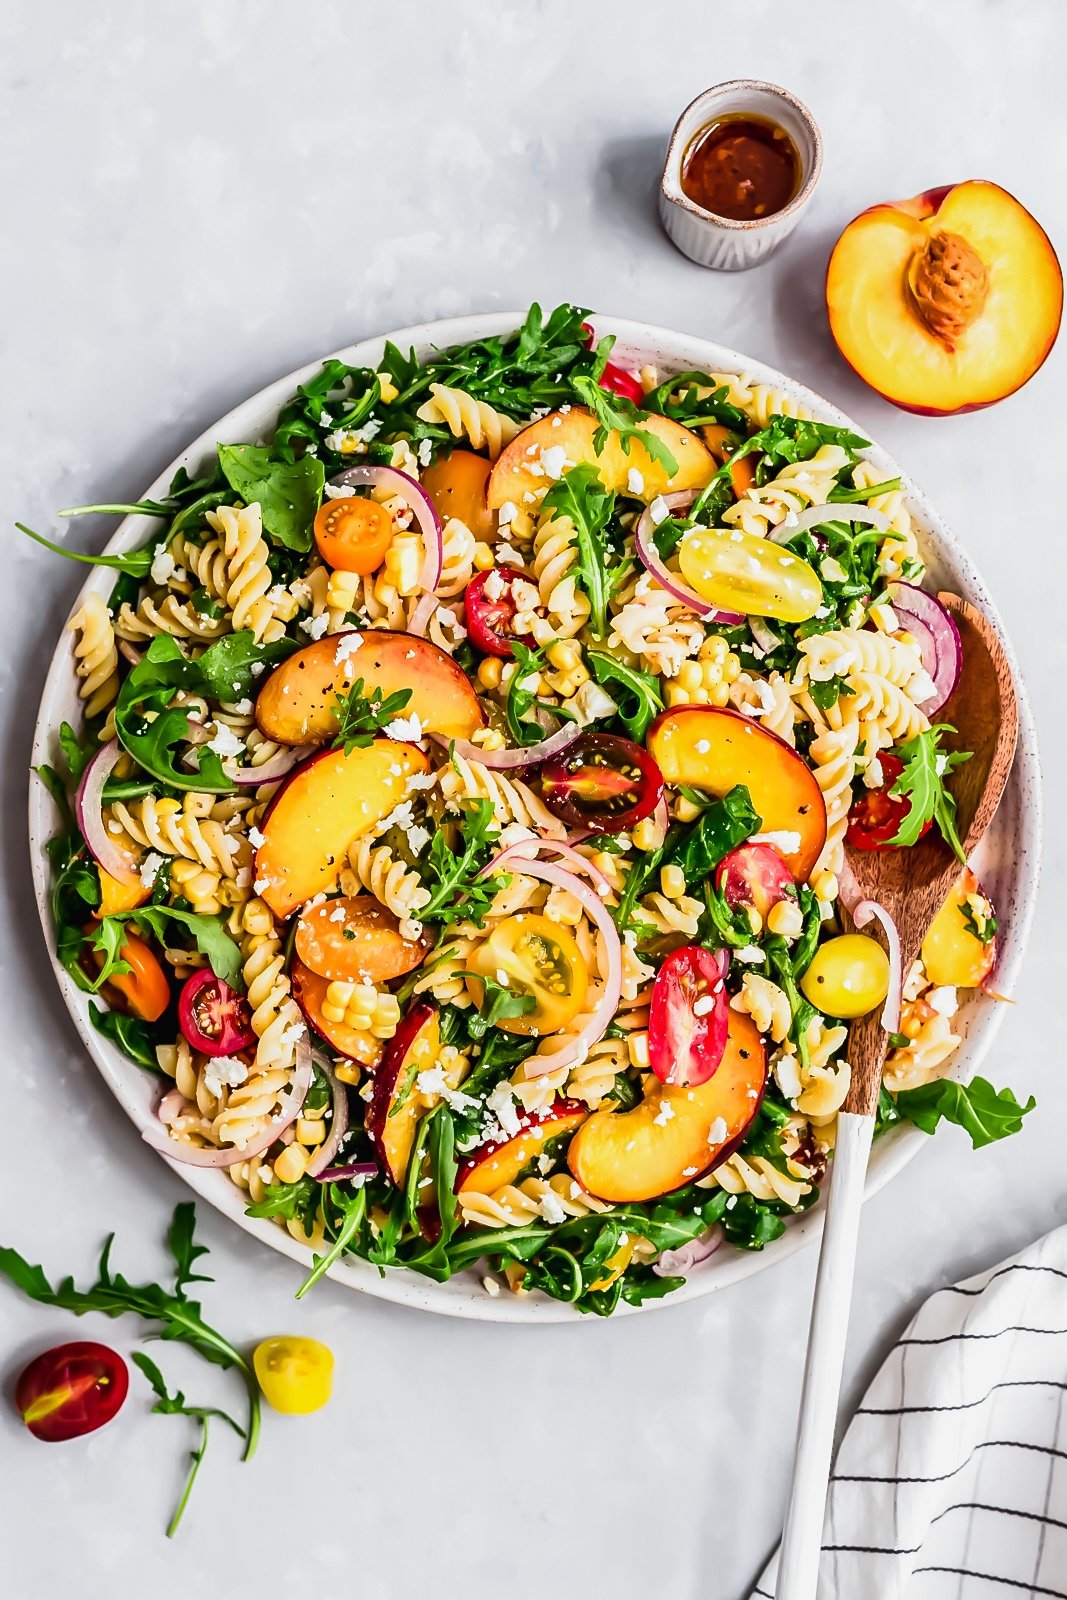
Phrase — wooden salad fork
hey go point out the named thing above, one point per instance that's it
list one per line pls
(911, 885)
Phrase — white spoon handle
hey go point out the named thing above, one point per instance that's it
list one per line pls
(798, 1563)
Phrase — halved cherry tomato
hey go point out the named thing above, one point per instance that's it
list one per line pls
(602, 782)
(355, 939)
(295, 1374)
(213, 1017)
(876, 815)
(614, 378)
(533, 956)
(353, 534)
(847, 977)
(689, 1017)
(70, 1390)
(491, 620)
(754, 875)
(144, 989)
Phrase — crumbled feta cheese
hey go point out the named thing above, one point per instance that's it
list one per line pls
(749, 952)
(315, 627)
(162, 566)
(659, 510)
(425, 451)
(943, 1000)
(553, 460)
(635, 483)
(418, 838)
(787, 1073)
(338, 491)
(592, 703)
(490, 1285)
(225, 742)
(718, 1131)
(347, 645)
(664, 1114)
(703, 1005)
(224, 1070)
(407, 729)
(493, 587)
(501, 1103)
(551, 1207)
(255, 837)
(874, 776)
(508, 556)
(149, 867)
(507, 514)
(783, 840)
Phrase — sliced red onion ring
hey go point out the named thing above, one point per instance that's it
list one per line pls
(422, 507)
(272, 770)
(88, 803)
(597, 1022)
(324, 1155)
(650, 557)
(675, 1263)
(829, 511)
(935, 632)
(129, 652)
(347, 1169)
(861, 915)
(525, 849)
(288, 1110)
(531, 755)
(662, 816)
(848, 889)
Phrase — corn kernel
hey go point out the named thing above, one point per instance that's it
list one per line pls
(342, 591)
(488, 738)
(310, 1130)
(484, 559)
(490, 671)
(719, 694)
(564, 655)
(562, 906)
(685, 810)
(785, 919)
(646, 834)
(672, 882)
(732, 667)
(714, 648)
(825, 886)
(349, 1073)
(755, 921)
(291, 1165)
(637, 1050)
(403, 562)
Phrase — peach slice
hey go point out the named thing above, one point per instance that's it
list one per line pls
(397, 1104)
(715, 749)
(456, 484)
(502, 1162)
(641, 1154)
(952, 952)
(326, 803)
(719, 441)
(946, 302)
(309, 992)
(298, 702)
(355, 939)
(514, 474)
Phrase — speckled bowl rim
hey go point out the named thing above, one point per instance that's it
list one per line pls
(1017, 857)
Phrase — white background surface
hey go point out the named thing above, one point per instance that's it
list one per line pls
(196, 197)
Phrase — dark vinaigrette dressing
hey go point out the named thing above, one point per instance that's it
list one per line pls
(741, 166)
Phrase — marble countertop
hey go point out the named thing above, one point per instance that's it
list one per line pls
(199, 196)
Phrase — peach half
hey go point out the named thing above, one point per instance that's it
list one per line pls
(298, 702)
(641, 1154)
(947, 302)
(519, 470)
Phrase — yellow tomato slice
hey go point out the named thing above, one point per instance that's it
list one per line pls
(533, 958)
(295, 1374)
(739, 571)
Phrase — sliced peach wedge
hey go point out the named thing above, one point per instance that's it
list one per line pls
(329, 801)
(309, 992)
(946, 302)
(715, 749)
(519, 470)
(398, 1104)
(298, 702)
(641, 1154)
(456, 484)
(960, 949)
(502, 1162)
(355, 939)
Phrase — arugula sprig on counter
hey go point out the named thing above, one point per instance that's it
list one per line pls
(922, 781)
(986, 1114)
(174, 1405)
(171, 1314)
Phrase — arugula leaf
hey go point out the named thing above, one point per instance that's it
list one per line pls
(497, 1002)
(615, 414)
(886, 1115)
(580, 497)
(136, 1039)
(692, 398)
(725, 824)
(362, 715)
(457, 892)
(171, 1313)
(288, 493)
(173, 1405)
(77, 755)
(750, 1223)
(985, 1113)
(350, 393)
(843, 496)
(524, 729)
(982, 925)
(209, 936)
(519, 372)
(636, 693)
(351, 1205)
(827, 692)
(922, 781)
(135, 563)
(230, 668)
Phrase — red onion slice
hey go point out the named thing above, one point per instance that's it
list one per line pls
(650, 557)
(675, 1263)
(597, 1022)
(830, 511)
(272, 770)
(422, 507)
(935, 632)
(525, 850)
(324, 1155)
(348, 1169)
(129, 652)
(531, 755)
(287, 1113)
(88, 803)
(861, 915)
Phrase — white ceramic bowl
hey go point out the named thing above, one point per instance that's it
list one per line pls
(1009, 866)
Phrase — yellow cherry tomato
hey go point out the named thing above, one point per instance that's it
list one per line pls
(741, 572)
(295, 1374)
(848, 976)
(540, 960)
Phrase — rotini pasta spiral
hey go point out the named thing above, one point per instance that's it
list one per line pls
(276, 1019)
(167, 614)
(554, 558)
(511, 799)
(181, 828)
(759, 401)
(394, 884)
(248, 577)
(464, 416)
(96, 659)
(553, 1199)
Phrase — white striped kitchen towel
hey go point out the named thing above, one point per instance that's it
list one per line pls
(951, 1481)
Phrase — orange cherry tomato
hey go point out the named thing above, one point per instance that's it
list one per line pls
(116, 897)
(353, 534)
(144, 989)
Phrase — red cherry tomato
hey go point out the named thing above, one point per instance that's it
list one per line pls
(71, 1390)
(876, 815)
(491, 622)
(602, 782)
(689, 1018)
(213, 1017)
(754, 875)
(614, 378)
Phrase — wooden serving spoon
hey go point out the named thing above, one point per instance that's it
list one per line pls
(911, 884)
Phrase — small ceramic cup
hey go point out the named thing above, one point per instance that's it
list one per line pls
(721, 242)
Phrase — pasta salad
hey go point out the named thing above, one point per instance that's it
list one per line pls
(458, 823)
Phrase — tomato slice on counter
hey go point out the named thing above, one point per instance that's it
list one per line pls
(353, 533)
(754, 875)
(294, 1373)
(689, 1017)
(213, 1017)
(491, 616)
(602, 782)
(537, 960)
(876, 815)
(70, 1390)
